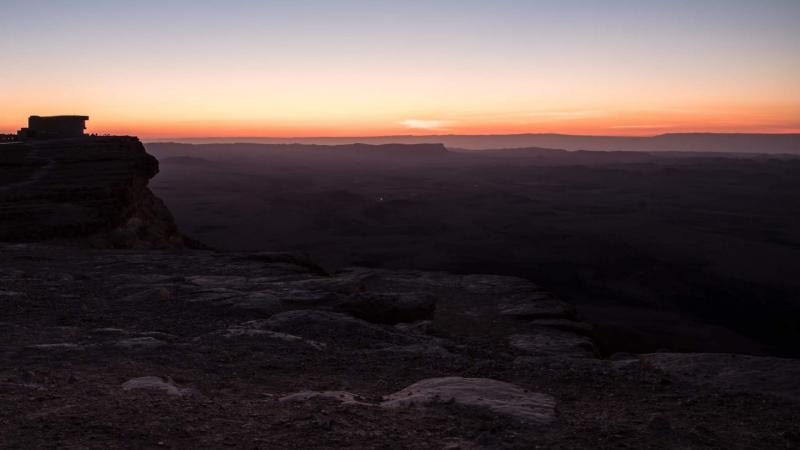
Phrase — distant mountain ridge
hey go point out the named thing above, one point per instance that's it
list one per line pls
(678, 142)
(169, 151)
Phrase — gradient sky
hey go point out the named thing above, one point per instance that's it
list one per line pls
(175, 68)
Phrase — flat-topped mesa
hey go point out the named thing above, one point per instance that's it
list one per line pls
(54, 127)
(90, 189)
(398, 149)
(360, 151)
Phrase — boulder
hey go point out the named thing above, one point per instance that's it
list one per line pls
(498, 396)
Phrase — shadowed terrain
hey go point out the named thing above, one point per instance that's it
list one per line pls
(673, 142)
(680, 251)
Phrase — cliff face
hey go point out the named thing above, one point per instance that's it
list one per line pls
(91, 189)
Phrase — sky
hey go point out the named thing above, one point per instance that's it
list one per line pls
(179, 68)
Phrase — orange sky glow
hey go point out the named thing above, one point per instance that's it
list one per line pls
(724, 119)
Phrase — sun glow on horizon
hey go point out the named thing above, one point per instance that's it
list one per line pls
(622, 123)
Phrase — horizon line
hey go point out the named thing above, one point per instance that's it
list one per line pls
(632, 136)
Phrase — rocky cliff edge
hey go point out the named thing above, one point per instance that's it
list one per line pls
(93, 190)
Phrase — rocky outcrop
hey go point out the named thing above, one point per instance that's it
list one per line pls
(497, 396)
(93, 189)
(480, 393)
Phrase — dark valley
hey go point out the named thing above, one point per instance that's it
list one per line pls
(680, 251)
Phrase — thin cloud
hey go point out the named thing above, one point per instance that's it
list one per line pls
(417, 124)
(624, 127)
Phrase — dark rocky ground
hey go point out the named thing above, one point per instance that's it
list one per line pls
(78, 325)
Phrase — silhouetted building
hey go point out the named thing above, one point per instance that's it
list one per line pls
(54, 127)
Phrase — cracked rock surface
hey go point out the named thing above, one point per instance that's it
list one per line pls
(196, 349)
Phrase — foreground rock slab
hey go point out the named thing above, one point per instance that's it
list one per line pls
(498, 396)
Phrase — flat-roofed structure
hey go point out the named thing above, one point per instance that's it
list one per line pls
(54, 127)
